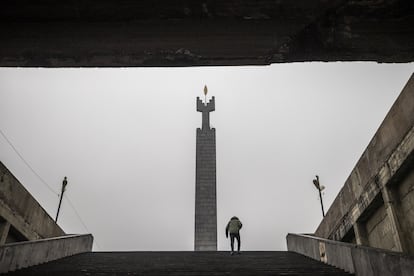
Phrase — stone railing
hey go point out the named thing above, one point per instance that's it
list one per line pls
(24, 254)
(361, 260)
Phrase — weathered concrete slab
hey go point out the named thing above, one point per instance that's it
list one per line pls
(110, 33)
(19, 255)
(361, 260)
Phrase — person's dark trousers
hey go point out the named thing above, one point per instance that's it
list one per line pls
(232, 237)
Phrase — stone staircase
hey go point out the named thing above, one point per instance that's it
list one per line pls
(183, 263)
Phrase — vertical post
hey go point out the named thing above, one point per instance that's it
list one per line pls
(64, 183)
(4, 231)
(361, 237)
(320, 188)
(320, 197)
(389, 204)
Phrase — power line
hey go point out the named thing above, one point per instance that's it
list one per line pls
(27, 164)
(45, 183)
(80, 219)
(77, 214)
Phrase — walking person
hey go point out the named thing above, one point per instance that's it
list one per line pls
(233, 227)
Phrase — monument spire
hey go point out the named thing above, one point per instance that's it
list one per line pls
(205, 108)
(205, 236)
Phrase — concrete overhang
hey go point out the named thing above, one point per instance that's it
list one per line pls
(128, 33)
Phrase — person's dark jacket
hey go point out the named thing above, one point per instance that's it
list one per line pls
(234, 226)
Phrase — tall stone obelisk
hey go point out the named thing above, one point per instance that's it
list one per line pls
(205, 193)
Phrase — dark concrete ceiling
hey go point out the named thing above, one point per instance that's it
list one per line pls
(73, 33)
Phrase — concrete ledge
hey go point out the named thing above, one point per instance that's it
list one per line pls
(24, 254)
(361, 260)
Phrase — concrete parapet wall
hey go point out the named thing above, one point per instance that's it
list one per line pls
(361, 260)
(22, 211)
(15, 256)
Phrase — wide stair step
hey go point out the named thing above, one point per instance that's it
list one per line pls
(183, 263)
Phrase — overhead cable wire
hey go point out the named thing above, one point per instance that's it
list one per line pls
(80, 219)
(27, 164)
(44, 182)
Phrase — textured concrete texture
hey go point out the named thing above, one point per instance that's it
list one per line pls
(373, 207)
(105, 33)
(205, 237)
(24, 254)
(379, 231)
(406, 208)
(21, 216)
(184, 263)
(361, 260)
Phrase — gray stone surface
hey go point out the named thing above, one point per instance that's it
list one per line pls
(378, 229)
(361, 260)
(406, 207)
(28, 220)
(24, 254)
(205, 237)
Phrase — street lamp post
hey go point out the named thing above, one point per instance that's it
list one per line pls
(64, 183)
(320, 189)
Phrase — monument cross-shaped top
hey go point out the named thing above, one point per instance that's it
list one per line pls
(205, 108)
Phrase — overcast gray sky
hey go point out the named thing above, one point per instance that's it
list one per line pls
(125, 138)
